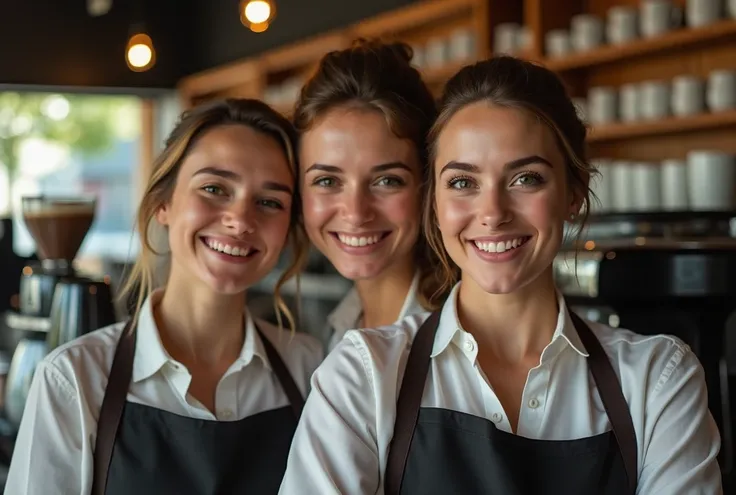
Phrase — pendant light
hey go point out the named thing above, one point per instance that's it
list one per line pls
(257, 15)
(139, 52)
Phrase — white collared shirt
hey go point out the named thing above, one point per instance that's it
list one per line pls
(342, 441)
(54, 448)
(347, 314)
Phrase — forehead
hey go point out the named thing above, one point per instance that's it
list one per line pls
(483, 133)
(237, 147)
(354, 139)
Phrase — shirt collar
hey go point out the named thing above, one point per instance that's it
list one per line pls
(449, 326)
(347, 313)
(151, 356)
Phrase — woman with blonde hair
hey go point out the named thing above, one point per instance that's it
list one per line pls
(504, 390)
(192, 395)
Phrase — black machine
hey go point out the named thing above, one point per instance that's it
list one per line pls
(672, 273)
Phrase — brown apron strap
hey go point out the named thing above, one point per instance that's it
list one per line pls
(409, 402)
(113, 404)
(614, 402)
(282, 374)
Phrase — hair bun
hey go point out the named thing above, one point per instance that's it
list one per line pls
(398, 49)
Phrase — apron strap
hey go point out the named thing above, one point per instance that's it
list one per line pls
(409, 402)
(113, 404)
(614, 402)
(412, 389)
(116, 394)
(282, 373)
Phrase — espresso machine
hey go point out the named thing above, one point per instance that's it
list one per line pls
(671, 273)
(56, 302)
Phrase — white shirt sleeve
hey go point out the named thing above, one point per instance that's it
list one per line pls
(51, 447)
(334, 450)
(681, 440)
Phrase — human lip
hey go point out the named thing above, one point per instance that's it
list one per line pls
(501, 243)
(229, 246)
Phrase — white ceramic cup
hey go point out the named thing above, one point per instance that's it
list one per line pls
(506, 37)
(462, 45)
(688, 95)
(674, 185)
(622, 24)
(601, 186)
(628, 107)
(557, 43)
(586, 32)
(647, 187)
(699, 13)
(657, 17)
(622, 191)
(711, 180)
(654, 100)
(602, 105)
(721, 90)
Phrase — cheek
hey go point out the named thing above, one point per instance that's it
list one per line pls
(453, 214)
(544, 210)
(316, 209)
(401, 208)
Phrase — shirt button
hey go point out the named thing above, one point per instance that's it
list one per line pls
(496, 417)
(469, 345)
(533, 403)
(226, 413)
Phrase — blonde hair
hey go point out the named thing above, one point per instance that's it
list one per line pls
(511, 82)
(192, 123)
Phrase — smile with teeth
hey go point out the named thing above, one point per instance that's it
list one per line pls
(228, 249)
(358, 241)
(500, 246)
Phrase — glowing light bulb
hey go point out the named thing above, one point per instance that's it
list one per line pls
(257, 11)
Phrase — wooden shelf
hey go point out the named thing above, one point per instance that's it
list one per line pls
(411, 17)
(673, 125)
(641, 47)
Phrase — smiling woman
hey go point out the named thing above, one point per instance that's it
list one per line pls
(101, 409)
(504, 389)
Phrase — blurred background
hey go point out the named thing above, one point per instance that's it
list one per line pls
(89, 89)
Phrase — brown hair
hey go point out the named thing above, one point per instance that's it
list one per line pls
(191, 125)
(379, 76)
(511, 82)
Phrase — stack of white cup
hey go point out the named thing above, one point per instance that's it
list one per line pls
(704, 181)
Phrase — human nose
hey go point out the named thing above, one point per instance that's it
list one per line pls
(357, 208)
(494, 208)
(240, 218)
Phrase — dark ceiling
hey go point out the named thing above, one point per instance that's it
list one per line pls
(55, 42)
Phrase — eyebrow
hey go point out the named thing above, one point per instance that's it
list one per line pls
(378, 168)
(513, 164)
(230, 175)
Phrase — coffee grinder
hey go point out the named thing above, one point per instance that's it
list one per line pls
(56, 302)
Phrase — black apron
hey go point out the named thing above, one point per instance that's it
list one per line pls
(439, 451)
(142, 450)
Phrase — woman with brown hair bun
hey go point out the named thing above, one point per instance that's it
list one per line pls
(192, 395)
(504, 390)
(363, 119)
